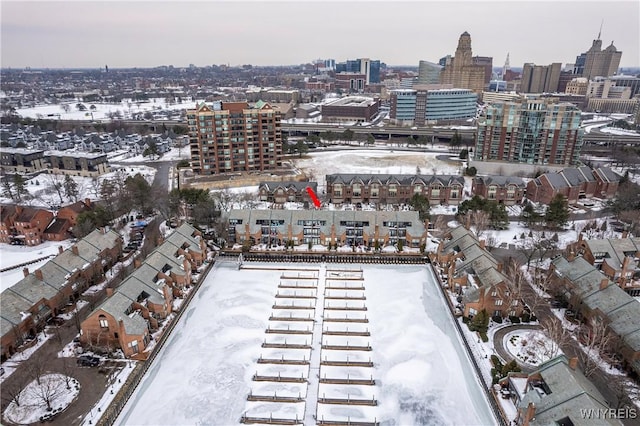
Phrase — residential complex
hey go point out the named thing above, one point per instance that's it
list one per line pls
(45, 292)
(574, 184)
(468, 269)
(234, 137)
(594, 298)
(324, 227)
(393, 189)
(144, 300)
(505, 190)
(25, 161)
(538, 132)
(283, 192)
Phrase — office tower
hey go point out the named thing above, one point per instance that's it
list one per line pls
(461, 72)
(365, 66)
(536, 132)
(429, 73)
(487, 63)
(234, 137)
(540, 78)
(426, 104)
(596, 62)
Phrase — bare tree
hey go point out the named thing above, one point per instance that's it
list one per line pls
(13, 389)
(56, 183)
(36, 367)
(95, 186)
(478, 221)
(536, 245)
(557, 333)
(595, 338)
(66, 371)
(224, 199)
(50, 387)
(516, 279)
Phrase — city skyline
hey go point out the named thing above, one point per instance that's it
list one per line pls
(149, 33)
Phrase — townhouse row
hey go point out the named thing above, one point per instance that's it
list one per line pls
(617, 258)
(595, 298)
(31, 226)
(473, 273)
(573, 183)
(26, 306)
(141, 304)
(75, 163)
(373, 229)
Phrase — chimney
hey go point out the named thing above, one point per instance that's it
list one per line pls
(499, 267)
(25, 271)
(136, 263)
(625, 234)
(87, 202)
(38, 274)
(604, 283)
(483, 244)
(580, 236)
(60, 250)
(571, 257)
(573, 363)
(109, 292)
(529, 414)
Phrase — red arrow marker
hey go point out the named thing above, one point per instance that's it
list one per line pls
(314, 197)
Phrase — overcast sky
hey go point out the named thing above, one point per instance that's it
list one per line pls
(151, 33)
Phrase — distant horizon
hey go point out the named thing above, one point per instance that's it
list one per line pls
(144, 34)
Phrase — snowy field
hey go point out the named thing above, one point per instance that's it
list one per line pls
(204, 373)
(363, 161)
(128, 108)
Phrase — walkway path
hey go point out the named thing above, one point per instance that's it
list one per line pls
(498, 343)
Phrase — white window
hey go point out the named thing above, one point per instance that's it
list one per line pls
(134, 346)
(494, 293)
(104, 323)
(498, 302)
(492, 192)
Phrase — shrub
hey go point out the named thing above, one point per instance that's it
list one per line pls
(483, 336)
(497, 319)
(526, 317)
(495, 361)
(514, 320)
(471, 171)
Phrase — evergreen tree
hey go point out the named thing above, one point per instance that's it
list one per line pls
(557, 214)
(420, 203)
(7, 190)
(70, 188)
(19, 185)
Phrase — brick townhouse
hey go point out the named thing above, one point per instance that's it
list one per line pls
(505, 190)
(574, 184)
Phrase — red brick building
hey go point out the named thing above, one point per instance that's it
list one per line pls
(574, 184)
(66, 219)
(30, 223)
(503, 189)
(394, 189)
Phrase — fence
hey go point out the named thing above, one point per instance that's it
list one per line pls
(309, 257)
(497, 412)
(113, 411)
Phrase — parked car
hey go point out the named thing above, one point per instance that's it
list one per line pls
(88, 361)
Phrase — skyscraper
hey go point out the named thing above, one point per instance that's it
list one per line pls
(234, 137)
(532, 132)
(596, 62)
(369, 68)
(461, 71)
(429, 73)
(540, 78)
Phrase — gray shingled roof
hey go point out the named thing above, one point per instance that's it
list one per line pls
(501, 180)
(571, 392)
(556, 180)
(116, 306)
(298, 186)
(367, 179)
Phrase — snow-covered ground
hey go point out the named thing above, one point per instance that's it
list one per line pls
(204, 372)
(175, 153)
(57, 390)
(128, 108)
(531, 347)
(363, 161)
(43, 194)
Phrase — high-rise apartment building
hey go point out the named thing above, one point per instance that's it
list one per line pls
(540, 78)
(461, 71)
(536, 132)
(596, 62)
(234, 137)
